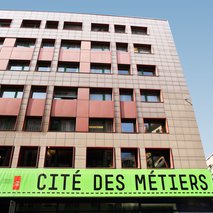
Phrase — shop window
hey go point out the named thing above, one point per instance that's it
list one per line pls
(129, 158)
(19, 65)
(48, 43)
(65, 93)
(142, 48)
(150, 95)
(43, 66)
(11, 92)
(25, 42)
(100, 125)
(59, 157)
(139, 30)
(51, 25)
(70, 45)
(33, 124)
(120, 28)
(5, 22)
(155, 125)
(122, 47)
(100, 27)
(7, 123)
(99, 158)
(30, 23)
(128, 125)
(62, 124)
(158, 158)
(28, 156)
(38, 92)
(6, 153)
(100, 46)
(146, 70)
(68, 67)
(98, 94)
(100, 68)
(72, 25)
(126, 95)
(123, 69)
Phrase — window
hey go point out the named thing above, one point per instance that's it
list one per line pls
(128, 125)
(33, 124)
(30, 23)
(155, 125)
(150, 96)
(24, 42)
(6, 153)
(124, 69)
(99, 157)
(62, 124)
(139, 30)
(43, 66)
(129, 158)
(100, 46)
(48, 43)
(72, 25)
(28, 156)
(5, 22)
(146, 70)
(100, 68)
(38, 92)
(7, 123)
(59, 157)
(142, 48)
(122, 47)
(65, 93)
(51, 25)
(100, 27)
(19, 65)
(126, 95)
(98, 94)
(120, 28)
(70, 45)
(158, 158)
(11, 92)
(68, 67)
(100, 125)
(1, 42)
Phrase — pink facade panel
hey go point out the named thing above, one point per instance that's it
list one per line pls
(128, 109)
(101, 109)
(10, 106)
(85, 67)
(85, 56)
(85, 45)
(123, 57)
(82, 108)
(64, 108)
(69, 55)
(35, 107)
(9, 42)
(22, 53)
(101, 57)
(46, 54)
(82, 124)
(83, 93)
(5, 52)
(3, 64)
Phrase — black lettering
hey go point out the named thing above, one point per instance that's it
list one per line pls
(108, 182)
(65, 180)
(162, 181)
(182, 182)
(151, 182)
(193, 181)
(173, 182)
(39, 182)
(96, 185)
(53, 187)
(201, 177)
(75, 182)
(118, 177)
(140, 180)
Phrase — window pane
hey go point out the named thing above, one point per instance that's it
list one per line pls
(128, 126)
(5, 155)
(154, 126)
(62, 125)
(7, 122)
(43, 68)
(33, 124)
(123, 72)
(129, 158)
(65, 94)
(38, 95)
(100, 125)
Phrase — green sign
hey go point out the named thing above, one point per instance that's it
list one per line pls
(105, 183)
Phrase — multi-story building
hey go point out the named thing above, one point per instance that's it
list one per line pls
(95, 117)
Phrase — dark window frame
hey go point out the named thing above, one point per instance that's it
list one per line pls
(28, 127)
(5, 22)
(104, 94)
(17, 90)
(120, 28)
(68, 67)
(60, 125)
(51, 24)
(19, 65)
(38, 89)
(126, 93)
(129, 164)
(96, 124)
(161, 127)
(10, 126)
(129, 121)
(147, 70)
(98, 68)
(138, 30)
(31, 24)
(25, 42)
(71, 45)
(98, 27)
(143, 48)
(78, 26)
(65, 93)
(43, 64)
(124, 69)
(9, 161)
(147, 93)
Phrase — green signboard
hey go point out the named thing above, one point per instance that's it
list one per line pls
(105, 183)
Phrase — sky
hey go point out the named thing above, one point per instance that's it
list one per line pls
(191, 22)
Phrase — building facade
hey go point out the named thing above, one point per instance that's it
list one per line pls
(209, 162)
(102, 96)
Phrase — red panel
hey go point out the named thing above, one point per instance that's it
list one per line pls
(101, 57)
(123, 58)
(83, 108)
(128, 109)
(35, 107)
(83, 93)
(10, 106)
(46, 54)
(5, 52)
(22, 53)
(64, 108)
(69, 55)
(82, 124)
(101, 109)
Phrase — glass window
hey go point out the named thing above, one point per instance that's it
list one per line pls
(43, 66)
(25, 42)
(100, 46)
(158, 158)
(100, 94)
(126, 95)
(139, 30)
(33, 124)
(51, 25)
(5, 22)
(124, 69)
(31, 23)
(72, 45)
(100, 27)
(68, 67)
(38, 92)
(11, 92)
(19, 65)
(65, 93)
(120, 28)
(99, 157)
(48, 43)
(72, 25)
(59, 157)
(62, 124)
(100, 68)
(5, 155)
(28, 156)
(142, 48)
(146, 70)
(155, 125)
(150, 95)
(129, 158)
(128, 125)
(7, 123)
(122, 47)
(100, 125)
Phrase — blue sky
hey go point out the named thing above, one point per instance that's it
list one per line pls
(192, 27)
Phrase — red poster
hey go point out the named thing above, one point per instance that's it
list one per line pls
(16, 182)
